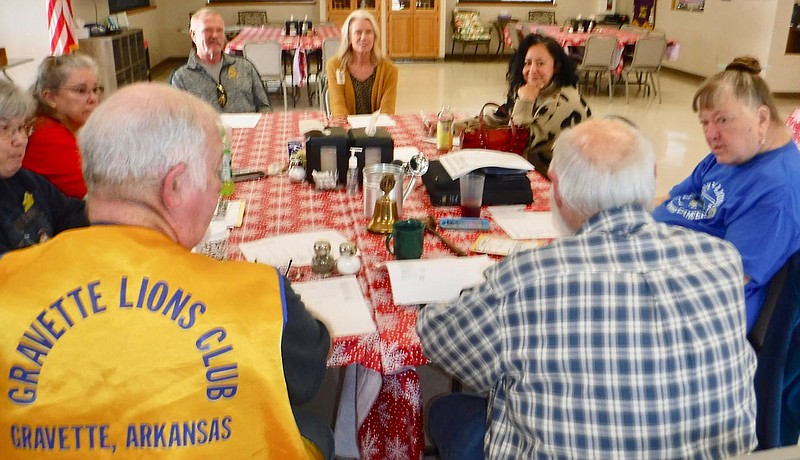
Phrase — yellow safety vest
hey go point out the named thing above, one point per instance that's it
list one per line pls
(118, 342)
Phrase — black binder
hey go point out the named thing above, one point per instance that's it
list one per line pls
(500, 187)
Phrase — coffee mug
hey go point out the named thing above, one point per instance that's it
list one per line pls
(408, 236)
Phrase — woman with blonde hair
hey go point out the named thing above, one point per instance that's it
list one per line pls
(360, 79)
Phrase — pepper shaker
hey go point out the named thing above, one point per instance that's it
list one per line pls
(349, 263)
(322, 262)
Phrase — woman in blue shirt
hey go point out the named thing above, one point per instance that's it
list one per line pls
(746, 190)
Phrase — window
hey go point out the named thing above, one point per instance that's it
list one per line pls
(117, 6)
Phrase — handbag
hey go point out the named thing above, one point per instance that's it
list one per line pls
(505, 138)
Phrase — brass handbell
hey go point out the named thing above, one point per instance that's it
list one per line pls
(385, 208)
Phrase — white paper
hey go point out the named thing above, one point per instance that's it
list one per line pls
(433, 140)
(420, 281)
(339, 303)
(361, 121)
(405, 153)
(240, 120)
(520, 224)
(466, 160)
(310, 125)
(297, 247)
(501, 246)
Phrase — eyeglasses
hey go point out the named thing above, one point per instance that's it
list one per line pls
(9, 131)
(222, 96)
(84, 91)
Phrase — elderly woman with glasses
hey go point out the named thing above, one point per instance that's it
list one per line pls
(31, 208)
(66, 90)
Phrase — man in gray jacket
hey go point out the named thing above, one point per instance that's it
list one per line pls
(230, 84)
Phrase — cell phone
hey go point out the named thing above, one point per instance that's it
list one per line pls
(464, 223)
(248, 174)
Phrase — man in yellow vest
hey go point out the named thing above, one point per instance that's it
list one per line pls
(118, 340)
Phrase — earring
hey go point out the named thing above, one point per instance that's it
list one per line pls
(763, 140)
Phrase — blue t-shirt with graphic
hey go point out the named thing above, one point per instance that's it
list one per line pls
(755, 206)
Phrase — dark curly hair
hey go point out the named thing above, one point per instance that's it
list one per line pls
(565, 73)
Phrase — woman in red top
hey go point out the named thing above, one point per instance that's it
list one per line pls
(66, 91)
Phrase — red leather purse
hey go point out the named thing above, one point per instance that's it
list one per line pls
(506, 138)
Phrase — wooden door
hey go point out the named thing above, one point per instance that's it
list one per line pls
(400, 34)
(413, 29)
(338, 10)
(426, 33)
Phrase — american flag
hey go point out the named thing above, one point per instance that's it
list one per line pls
(61, 28)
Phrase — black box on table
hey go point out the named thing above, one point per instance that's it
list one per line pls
(374, 149)
(327, 150)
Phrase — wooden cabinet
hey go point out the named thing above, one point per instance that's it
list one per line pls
(413, 29)
(121, 58)
(338, 10)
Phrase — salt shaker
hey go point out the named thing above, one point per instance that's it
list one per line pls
(349, 263)
(322, 262)
(296, 171)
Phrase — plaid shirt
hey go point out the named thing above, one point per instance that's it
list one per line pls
(626, 340)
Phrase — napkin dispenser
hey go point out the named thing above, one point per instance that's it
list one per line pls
(327, 150)
(374, 149)
(291, 28)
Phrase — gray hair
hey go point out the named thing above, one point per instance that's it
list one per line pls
(14, 103)
(602, 164)
(135, 137)
(345, 50)
(202, 13)
(54, 71)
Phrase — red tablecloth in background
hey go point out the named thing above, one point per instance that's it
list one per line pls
(793, 122)
(624, 38)
(274, 206)
(306, 42)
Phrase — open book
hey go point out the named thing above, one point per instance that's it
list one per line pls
(463, 161)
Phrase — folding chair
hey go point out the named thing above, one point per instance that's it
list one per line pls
(598, 58)
(776, 338)
(648, 53)
(267, 57)
(329, 49)
(253, 18)
(542, 17)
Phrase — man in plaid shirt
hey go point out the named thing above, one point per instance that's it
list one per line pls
(625, 339)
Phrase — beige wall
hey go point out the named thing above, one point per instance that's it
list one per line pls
(709, 40)
(726, 29)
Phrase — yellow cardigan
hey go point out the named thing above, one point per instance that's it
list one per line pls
(343, 97)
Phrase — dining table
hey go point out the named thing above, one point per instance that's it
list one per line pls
(385, 405)
(310, 42)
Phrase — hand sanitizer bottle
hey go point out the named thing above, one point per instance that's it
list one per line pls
(352, 172)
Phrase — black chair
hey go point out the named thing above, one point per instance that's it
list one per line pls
(776, 339)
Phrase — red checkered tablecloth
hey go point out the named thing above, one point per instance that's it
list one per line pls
(288, 42)
(392, 427)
